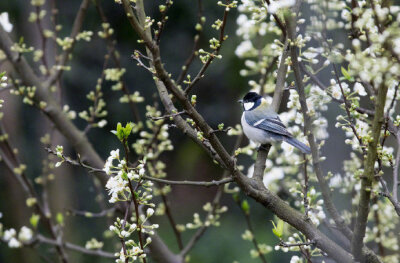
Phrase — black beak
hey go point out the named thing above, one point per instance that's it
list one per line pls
(240, 101)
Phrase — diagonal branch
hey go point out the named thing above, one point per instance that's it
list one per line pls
(52, 110)
(253, 188)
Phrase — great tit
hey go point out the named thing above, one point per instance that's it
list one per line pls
(262, 125)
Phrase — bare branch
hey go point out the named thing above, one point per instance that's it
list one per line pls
(368, 176)
(192, 183)
(283, 244)
(168, 116)
(99, 253)
(215, 53)
(88, 214)
(389, 196)
(192, 55)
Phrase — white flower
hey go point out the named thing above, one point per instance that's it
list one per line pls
(25, 234)
(102, 123)
(136, 250)
(250, 171)
(114, 154)
(5, 22)
(335, 181)
(396, 44)
(107, 168)
(141, 171)
(125, 233)
(115, 185)
(122, 255)
(14, 243)
(295, 259)
(150, 212)
(9, 233)
(336, 92)
(132, 227)
(287, 149)
(243, 48)
(276, 5)
(276, 173)
(360, 89)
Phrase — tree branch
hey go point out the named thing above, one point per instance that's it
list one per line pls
(192, 183)
(99, 253)
(76, 27)
(368, 177)
(52, 110)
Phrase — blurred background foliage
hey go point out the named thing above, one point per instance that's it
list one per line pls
(72, 188)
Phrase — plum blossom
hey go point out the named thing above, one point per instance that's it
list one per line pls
(359, 88)
(115, 185)
(25, 234)
(276, 5)
(244, 47)
(5, 22)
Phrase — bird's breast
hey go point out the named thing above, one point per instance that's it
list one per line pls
(255, 134)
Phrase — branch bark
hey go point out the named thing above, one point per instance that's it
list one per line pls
(368, 176)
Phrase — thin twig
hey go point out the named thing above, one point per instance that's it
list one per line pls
(166, 116)
(76, 27)
(13, 162)
(195, 48)
(102, 213)
(74, 247)
(251, 229)
(339, 221)
(192, 183)
(305, 189)
(171, 219)
(215, 53)
(387, 194)
(283, 244)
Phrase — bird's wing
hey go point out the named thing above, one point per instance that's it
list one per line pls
(266, 122)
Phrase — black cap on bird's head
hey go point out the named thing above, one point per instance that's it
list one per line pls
(251, 101)
(250, 97)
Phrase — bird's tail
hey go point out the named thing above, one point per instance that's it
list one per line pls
(299, 145)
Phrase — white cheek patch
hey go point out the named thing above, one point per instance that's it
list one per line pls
(248, 105)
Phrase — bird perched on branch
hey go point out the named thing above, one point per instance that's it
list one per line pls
(262, 125)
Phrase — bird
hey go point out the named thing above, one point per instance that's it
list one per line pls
(261, 124)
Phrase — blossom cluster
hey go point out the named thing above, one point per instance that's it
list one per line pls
(14, 239)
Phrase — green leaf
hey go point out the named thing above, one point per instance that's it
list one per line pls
(345, 73)
(128, 129)
(124, 176)
(60, 218)
(245, 207)
(278, 229)
(34, 220)
(123, 132)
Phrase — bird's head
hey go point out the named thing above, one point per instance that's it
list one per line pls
(251, 101)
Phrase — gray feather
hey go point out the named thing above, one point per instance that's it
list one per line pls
(299, 145)
(266, 122)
